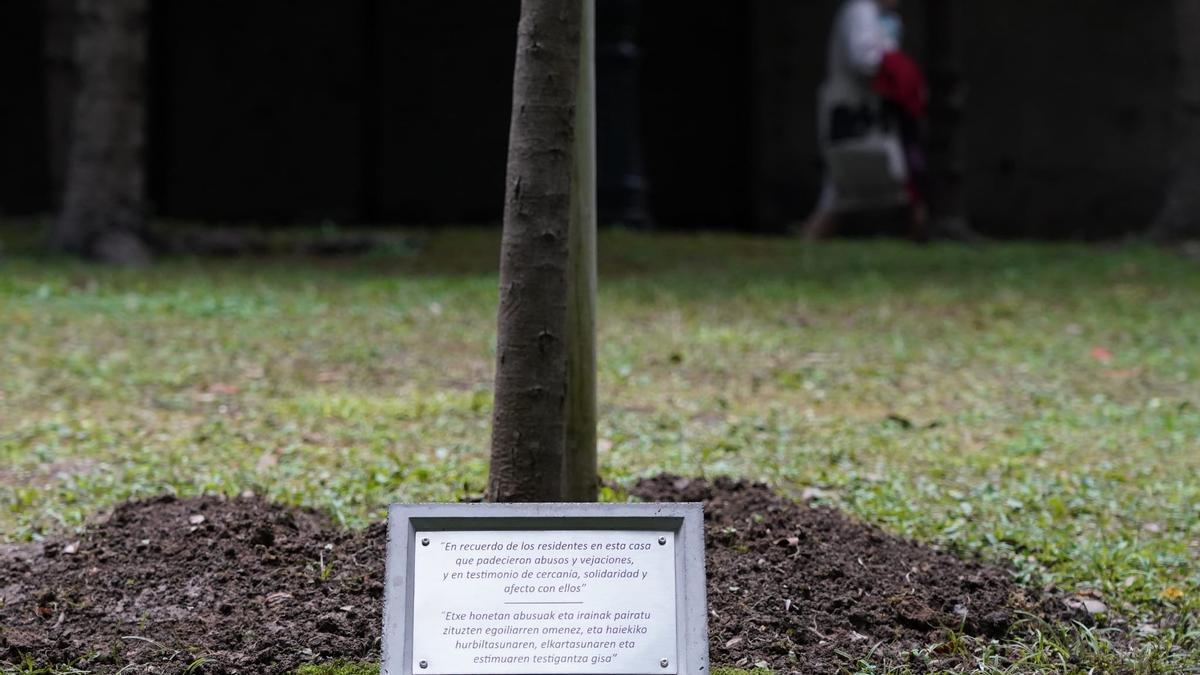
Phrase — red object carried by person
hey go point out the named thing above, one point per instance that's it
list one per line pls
(899, 79)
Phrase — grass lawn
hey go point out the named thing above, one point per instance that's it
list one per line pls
(1038, 405)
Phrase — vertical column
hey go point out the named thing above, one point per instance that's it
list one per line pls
(786, 45)
(948, 93)
(622, 179)
(59, 64)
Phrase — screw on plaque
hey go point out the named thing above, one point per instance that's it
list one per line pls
(662, 541)
(424, 664)
(424, 542)
(664, 663)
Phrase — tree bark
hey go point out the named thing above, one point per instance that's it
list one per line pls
(1179, 217)
(579, 461)
(104, 202)
(529, 412)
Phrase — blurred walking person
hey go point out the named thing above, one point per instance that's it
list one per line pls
(871, 108)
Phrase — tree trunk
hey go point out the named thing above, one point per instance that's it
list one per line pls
(947, 144)
(104, 201)
(529, 412)
(1179, 217)
(579, 460)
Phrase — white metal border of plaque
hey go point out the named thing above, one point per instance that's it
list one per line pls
(681, 522)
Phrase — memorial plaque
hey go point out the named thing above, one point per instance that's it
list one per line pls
(544, 599)
(510, 588)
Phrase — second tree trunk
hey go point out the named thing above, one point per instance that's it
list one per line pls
(104, 201)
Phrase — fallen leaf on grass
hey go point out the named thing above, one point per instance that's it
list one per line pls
(811, 493)
(223, 388)
(1124, 373)
(1102, 354)
(266, 461)
(1172, 593)
(1087, 601)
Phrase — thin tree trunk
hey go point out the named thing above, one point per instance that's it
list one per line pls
(1179, 217)
(529, 412)
(104, 201)
(579, 460)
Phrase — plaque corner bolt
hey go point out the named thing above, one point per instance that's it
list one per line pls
(424, 542)
(664, 663)
(424, 664)
(662, 541)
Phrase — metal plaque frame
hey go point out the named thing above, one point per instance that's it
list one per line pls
(685, 519)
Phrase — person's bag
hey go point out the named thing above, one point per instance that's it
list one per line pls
(864, 153)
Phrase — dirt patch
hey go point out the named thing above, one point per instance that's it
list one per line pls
(231, 585)
(811, 590)
(244, 586)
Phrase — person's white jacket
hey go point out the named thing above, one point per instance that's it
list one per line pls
(868, 171)
(856, 48)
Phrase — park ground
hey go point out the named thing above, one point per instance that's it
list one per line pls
(1037, 405)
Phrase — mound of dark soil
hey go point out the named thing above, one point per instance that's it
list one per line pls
(237, 585)
(811, 590)
(244, 586)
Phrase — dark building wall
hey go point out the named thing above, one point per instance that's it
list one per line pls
(788, 46)
(364, 109)
(398, 111)
(695, 117)
(446, 98)
(1068, 115)
(24, 175)
(1067, 112)
(620, 175)
(259, 107)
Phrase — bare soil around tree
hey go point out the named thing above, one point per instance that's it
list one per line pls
(240, 585)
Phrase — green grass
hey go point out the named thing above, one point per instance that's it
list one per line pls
(339, 668)
(1044, 400)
